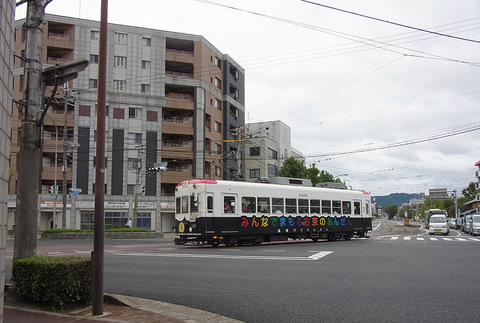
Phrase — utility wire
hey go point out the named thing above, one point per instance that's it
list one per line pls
(400, 144)
(392, 23)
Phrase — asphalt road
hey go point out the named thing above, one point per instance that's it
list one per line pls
(397, 275)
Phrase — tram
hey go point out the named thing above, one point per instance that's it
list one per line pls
(215, 212)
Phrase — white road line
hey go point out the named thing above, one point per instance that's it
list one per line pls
(320, 254)
(407, 238)
(448, 239)
(434, 239)
(394, 238)
(316, 256)
(421, 239)
(460, 239)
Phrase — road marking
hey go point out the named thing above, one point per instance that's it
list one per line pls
(421, 239)
(407, 238)
(316, 256)
(320, 255)
(448, 239)
(434, 239)
(394, 238)
(460, 239)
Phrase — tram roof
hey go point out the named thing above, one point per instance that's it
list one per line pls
(244, 183)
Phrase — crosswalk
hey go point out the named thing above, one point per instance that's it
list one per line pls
(425, 238)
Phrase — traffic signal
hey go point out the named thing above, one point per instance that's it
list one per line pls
(142, 189)
(51, 189)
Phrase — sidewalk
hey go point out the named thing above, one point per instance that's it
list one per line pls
(119, 308)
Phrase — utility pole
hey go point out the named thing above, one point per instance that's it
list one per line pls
(138, 189)
(29, 161)
(98, 234)
(68, 94)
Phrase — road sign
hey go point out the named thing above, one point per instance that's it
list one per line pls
(75, 190)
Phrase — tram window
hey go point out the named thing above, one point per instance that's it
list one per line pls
(291, 205)
(229, 204)
(367, 209)
(326, 207)
(278, 205)
(178, 205)
(248, 205)
(302, 206)
(263, 205)
(193, 204)
(356, 208)
(337, 207)
(184, 204)
(210, 204)
(314, 206)
(347, 207)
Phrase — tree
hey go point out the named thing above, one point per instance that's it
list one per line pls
(391, 210)
(470, 192)
(293, 168)
(297, 169)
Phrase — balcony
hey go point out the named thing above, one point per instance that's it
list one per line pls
(179, 69)
(176, 125)
(176, 55)
(177, 149)
(175, 176)
(179, 101)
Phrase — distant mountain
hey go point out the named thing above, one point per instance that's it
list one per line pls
(394, 199)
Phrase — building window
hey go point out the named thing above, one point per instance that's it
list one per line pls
(218, 104)
(208, 122)
(255, 173)
(146, 41)
(119, 86)
(218, 126)
(272, 170)
(120, 61)
(135, 137)
(254, 151)
(218, 83)
(120, 38)
(271, 153)
(93, 83)
(95, 35)
(234, 112)
(218, 171)
(146, 88)
(218, 148)
(134, 113)
(94, 58)
(218, 62)
(146, 65)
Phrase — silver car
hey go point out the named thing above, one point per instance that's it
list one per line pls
(475, 225)
(467, 223)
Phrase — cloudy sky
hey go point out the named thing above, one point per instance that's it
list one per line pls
(387, 92)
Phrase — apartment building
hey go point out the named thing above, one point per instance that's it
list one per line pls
(171, 97)
(7, 10)
(268, 145)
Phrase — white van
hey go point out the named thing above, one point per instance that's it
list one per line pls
(438, 224)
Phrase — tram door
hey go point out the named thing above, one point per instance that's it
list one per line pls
(229, 219)
(210, 214)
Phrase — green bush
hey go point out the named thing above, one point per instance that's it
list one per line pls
(57, 281)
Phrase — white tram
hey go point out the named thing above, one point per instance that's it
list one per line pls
(234, 213)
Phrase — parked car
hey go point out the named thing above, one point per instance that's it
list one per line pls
(467, 223)
(475, 225)
(452, 223)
